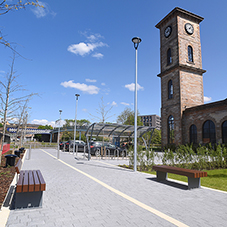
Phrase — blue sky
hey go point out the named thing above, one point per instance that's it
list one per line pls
(85, 47)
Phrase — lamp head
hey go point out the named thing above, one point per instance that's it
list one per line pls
(136, 41)
(77, 96)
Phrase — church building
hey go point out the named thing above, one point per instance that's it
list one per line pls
(185, 117)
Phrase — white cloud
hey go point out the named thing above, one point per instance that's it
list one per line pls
(90, 89)
(43, 122)
(93, 38)
(42, 12)
(91, 43)
(83, 48)
(46, 122)
(207, 99)
(131, 87)
(91, 81)
(125, 104)
(113, 103)
(84, 110)
(98, 55)
(103, 84)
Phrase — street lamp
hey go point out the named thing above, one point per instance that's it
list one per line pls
(60, 111)
(77, 96)
(136, 41)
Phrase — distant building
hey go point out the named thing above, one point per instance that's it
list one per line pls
(151, 120)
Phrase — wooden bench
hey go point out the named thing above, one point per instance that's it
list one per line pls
(193, 175)
(30, 187)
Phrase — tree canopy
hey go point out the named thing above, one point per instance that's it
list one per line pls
(127, 118)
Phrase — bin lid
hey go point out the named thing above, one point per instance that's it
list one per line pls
(10, 155)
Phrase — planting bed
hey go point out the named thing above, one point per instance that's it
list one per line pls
(6, 177)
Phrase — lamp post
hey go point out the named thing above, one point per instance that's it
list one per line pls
(77, 96)
(60, 111)
(136, 41)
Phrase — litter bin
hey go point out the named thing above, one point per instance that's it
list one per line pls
(10, 159)
(21, 149)
(17, 153)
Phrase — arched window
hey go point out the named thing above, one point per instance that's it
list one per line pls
(209, 134)
(190, 54)
(169, 56)
(171, 129)
(193, 134)
(170, 89)
(224, 132)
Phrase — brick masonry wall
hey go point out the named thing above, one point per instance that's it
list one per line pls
(184, 40)
(216, 112)
(171, 107)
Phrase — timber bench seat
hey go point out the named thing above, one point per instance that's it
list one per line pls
(193, 175)
(30, 187)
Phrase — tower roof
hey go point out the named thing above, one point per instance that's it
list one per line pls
(180, 12)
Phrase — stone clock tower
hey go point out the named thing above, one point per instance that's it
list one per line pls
(181, 70)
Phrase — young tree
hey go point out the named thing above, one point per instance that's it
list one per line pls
(10, 104)
(102, 112)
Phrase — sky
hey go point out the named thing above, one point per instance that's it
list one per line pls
(84, 47)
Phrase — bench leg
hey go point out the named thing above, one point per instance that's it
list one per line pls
(193, 183)
(161, 175)
(28, 199)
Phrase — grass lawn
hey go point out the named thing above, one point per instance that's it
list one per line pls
(216, 179)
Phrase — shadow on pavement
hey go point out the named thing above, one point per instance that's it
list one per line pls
(170, 183)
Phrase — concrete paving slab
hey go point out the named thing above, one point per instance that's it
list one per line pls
(98, 193)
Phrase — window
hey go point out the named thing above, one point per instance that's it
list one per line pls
(224, 132)
(190, 54)
(169, 57)
(209, 134)
(171, 129)
(193, 134)
(170, 89)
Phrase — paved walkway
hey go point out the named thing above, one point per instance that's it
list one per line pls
(99, 194)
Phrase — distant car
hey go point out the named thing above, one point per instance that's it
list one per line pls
(95, 149)
(81, 144)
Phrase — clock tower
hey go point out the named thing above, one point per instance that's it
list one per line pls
(181, 70)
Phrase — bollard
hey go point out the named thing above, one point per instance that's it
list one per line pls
(76, 149)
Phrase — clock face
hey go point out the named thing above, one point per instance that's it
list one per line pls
(189, 28)
(168, 31)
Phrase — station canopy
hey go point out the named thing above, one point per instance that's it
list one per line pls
(116, 130)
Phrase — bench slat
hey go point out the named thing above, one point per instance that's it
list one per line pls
(41, 180)
(25, 182)
(180, 171)
(36, 181)
(31, 186)
(20, 182)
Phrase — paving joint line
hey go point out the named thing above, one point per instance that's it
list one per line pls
(135, 201)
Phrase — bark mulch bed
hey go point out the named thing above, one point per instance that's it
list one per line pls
(6, 177)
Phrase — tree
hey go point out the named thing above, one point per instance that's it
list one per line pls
(7, 6)
(127, 118)
(102, 112)
(10, 104)
(83, 122)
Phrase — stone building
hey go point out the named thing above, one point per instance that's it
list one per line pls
(185, 118)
